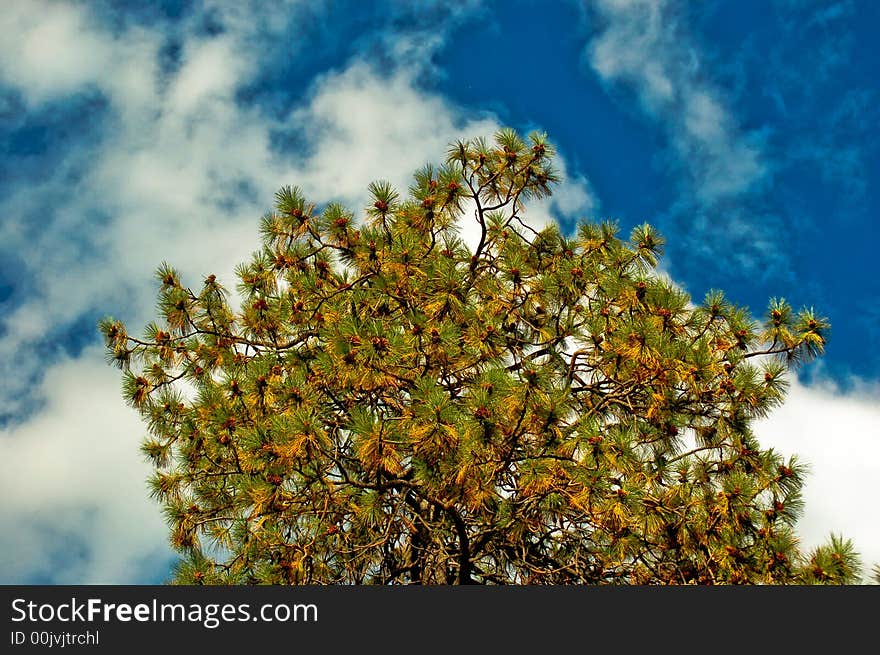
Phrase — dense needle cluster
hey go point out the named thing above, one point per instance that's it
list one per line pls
(389, 405)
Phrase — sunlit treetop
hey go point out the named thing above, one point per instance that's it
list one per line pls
(390, 405)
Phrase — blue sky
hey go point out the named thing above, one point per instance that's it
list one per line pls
(136, 133)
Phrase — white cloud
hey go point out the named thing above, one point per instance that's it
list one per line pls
(642, 44)
(210, 72)
(37, 49)
(74, 474)
(167, 163)
(368, 125)
(838, 435)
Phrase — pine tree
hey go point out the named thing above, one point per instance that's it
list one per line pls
(390, 406)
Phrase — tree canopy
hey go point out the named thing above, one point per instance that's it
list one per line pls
(382, 403)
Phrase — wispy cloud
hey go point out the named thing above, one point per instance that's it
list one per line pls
(644, 50)
(836, 143)
(644, 45)
(738, 175)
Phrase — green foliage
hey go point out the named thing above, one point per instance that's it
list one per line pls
(389, 406)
